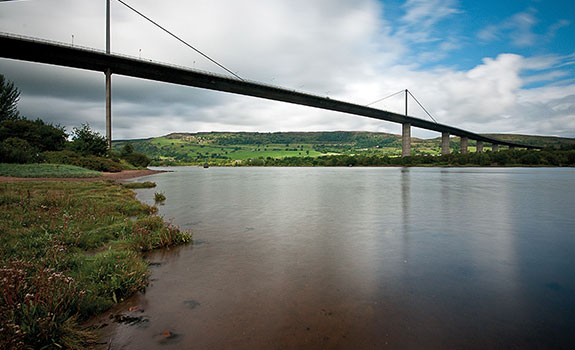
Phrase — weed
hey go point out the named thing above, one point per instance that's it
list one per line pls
(159, 197)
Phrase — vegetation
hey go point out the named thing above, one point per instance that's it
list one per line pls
(25, 141)
(159, 197)
(68, 251)
(501, 158)
(287, 148)
(45, 170)
(9, 96)
(87, 142)
(135, 185)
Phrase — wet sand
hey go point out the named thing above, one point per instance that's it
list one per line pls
(118, 177)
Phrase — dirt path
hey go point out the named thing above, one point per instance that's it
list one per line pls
(119, 177)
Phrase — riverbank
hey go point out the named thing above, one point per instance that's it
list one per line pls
(118, 176)
(70, 249)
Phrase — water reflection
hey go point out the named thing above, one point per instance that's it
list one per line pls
(308, 258)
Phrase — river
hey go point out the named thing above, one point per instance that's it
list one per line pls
(360, 258)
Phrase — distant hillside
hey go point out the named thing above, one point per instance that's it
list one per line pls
(225, 148)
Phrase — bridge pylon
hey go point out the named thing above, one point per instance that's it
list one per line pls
(444, 143)
(464, 144)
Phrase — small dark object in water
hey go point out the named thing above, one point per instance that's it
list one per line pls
(206, 165)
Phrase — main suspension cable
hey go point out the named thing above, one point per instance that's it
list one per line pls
(386, 97)
(179, 39)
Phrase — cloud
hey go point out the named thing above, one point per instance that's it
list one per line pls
(520, 29)
(345, 49)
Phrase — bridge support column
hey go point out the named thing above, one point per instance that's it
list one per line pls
(406, 140)
(479, 146)
(444, 143)
(109, 108)
(495, 147)
(511, 148)
(464, 144)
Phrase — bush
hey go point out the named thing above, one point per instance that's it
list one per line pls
(99, 164)
(42, 136)
(89, 162)
(87, 142)
(137, 159)
(16, 150)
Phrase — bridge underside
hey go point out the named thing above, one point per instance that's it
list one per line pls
(69, 56)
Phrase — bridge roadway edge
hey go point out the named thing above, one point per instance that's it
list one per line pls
(69, 56)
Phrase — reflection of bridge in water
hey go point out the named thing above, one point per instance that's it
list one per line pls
(34, 50)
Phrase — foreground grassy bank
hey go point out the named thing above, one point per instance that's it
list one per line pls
(46, 170)
(69, 250)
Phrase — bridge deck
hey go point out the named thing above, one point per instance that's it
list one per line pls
(32, 50)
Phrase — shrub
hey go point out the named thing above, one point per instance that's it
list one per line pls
(99, 164)
(137, 159)
(159, 197)
(16, 150)
(87, 142)
(89, 162)
(42, 136)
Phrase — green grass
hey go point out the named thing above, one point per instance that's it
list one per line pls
(45, 170)
(69, 250)
(135, 185)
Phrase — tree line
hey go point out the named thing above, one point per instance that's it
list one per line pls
(546, 157)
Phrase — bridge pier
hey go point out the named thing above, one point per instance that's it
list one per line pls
(444, 143)
(109, 108)
(464, 144)
(405, 140)
(495, 147)
(108, 82)
(511, 148)
(479, 146)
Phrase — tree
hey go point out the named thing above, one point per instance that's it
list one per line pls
(129, 149)
(16, 150)
(42, 136)
(9, 96)
(87, 142)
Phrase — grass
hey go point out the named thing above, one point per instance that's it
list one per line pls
(159, 197)
(69, 250)
(45, 170)
(135, 185)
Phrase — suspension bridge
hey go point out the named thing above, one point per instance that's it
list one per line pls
(60, 54)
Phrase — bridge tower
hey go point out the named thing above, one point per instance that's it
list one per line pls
(405, 134)
(444, 143)
(464, 144)
(108, 82)
(479, 146)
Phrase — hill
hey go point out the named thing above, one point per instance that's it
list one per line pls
(228, 148)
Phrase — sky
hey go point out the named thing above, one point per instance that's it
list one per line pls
(484, 66)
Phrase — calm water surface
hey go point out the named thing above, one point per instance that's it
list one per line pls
(361, 258)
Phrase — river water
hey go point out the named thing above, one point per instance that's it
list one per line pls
(360, 258)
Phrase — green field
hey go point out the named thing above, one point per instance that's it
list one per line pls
(227, 148)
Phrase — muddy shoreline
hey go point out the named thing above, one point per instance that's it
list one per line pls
(118, 177)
